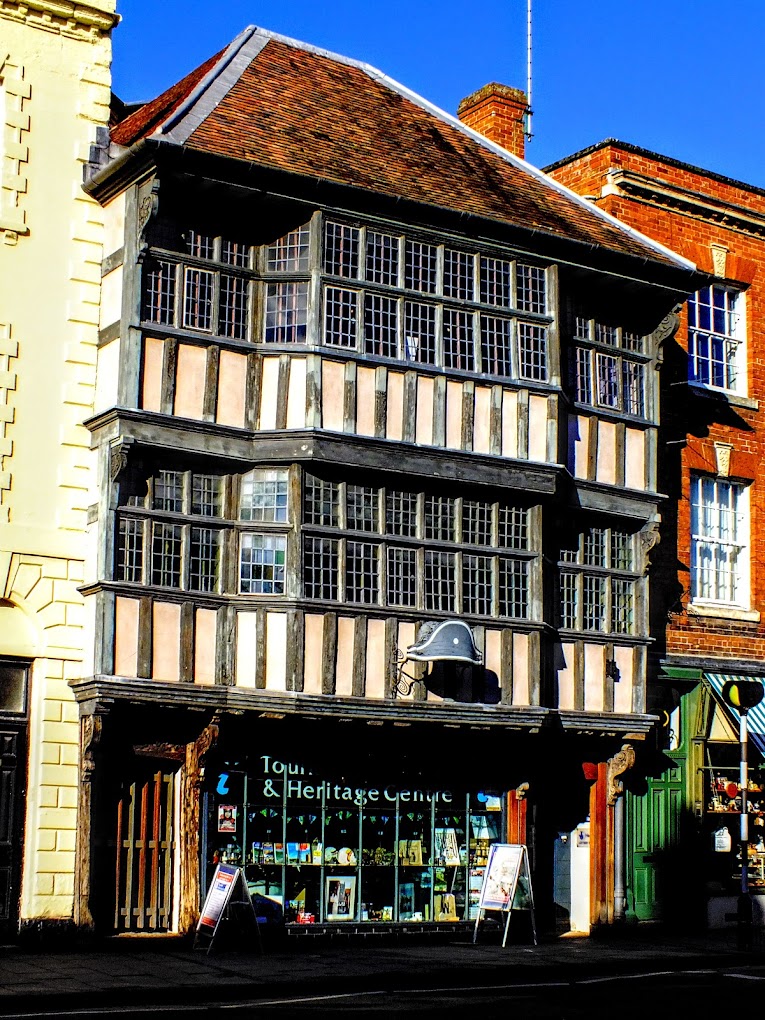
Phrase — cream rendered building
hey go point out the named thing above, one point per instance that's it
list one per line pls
(54, 96)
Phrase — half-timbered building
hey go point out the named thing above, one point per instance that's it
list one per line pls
(359, 369)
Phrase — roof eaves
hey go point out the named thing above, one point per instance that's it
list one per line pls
(215, 85)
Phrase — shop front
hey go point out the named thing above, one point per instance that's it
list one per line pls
(331, 849)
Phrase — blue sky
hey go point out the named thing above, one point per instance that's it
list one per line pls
(685, 78)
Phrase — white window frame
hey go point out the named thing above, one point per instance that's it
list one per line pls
(733, 339)
(724, 580)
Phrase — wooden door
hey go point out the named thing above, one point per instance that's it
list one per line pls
(655, 844)
(145, 850)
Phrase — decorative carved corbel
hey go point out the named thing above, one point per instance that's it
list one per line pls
(91, 729)
(148, 206)
(667, 328)
(621, 762)
(119, 458)
(650, 536)
(521, 791)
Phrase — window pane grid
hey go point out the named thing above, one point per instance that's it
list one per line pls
(168, 491)
(530, 288)
(322, 502)
(381, 325)
(496, 345)
(622, 555)
(232, 312)
(532, 351)
(402, 577)
(439, 580)
(718, 541)
(477, 585)
(289, 253)
(622, 606)
(476, 522)
(633, 376)
(595, 548)
(496, 282)
(593, 602)
(458, 340)
(206, 495)
(440, 518)
(159, 292)
(201, 246)
(130, 550)
(513, 588)
(198, 299)
(420, 332)
(204, 559)
(420, 266)
(382, 258)
(583, 376)
(235, 253)
(458, 275)
(263, 495)
(341, 250)
(261, 564)
(401, 513)
(513, 527)
(608, 380)
(340, 317)
(362, 511)
(713, 341)
(569, 590)
(362, 572)
(286, 313)
(166, 554)
(320, 565)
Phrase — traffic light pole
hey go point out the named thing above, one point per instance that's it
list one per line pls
(744, 914)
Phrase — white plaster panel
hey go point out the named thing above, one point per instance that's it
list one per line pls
(276, 651)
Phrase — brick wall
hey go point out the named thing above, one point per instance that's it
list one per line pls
(681, 207)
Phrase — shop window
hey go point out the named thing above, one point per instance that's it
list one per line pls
(715, 339)
(719, 541)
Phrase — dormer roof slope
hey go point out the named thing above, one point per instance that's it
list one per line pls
(284, 105)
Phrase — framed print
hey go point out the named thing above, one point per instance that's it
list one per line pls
(340, 897)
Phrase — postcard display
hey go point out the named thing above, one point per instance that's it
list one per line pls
(331, 852)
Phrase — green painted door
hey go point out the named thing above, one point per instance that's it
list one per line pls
(655, 834)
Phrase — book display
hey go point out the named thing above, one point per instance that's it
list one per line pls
(337, 853)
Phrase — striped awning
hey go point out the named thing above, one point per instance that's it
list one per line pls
(755, 717)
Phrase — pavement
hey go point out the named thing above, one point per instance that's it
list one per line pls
(157, 971)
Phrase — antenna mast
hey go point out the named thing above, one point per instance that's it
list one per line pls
(527, 126)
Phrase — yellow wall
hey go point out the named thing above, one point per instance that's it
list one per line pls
(54, 93)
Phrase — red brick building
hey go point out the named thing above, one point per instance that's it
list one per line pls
(709, 578)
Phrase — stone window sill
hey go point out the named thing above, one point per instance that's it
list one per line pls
(724, 612)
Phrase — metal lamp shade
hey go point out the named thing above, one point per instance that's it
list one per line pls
(450, 641)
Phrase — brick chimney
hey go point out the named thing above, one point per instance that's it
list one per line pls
(498, 112)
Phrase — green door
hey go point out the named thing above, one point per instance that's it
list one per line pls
(655, 828)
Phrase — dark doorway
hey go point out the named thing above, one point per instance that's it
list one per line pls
(13, 781)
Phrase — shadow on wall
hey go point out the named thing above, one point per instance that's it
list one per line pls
(456, 681)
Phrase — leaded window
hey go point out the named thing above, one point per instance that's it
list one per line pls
(341, 250)
(362, 572)
(420, 266)
(289, 254)
(320, 568)
(420, 332)
(609, 367)
(261, 563)
(401, 576)
(382, 258)
(263, 495)
(598, 582)
(340, 314)
(286, 318)
(381, 325)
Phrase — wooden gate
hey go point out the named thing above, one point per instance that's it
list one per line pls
(145, 850)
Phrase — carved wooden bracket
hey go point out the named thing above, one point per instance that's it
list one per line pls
(621, 762)
(91, 729)
(522, 791)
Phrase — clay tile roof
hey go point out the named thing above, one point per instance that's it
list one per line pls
(284, 105)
